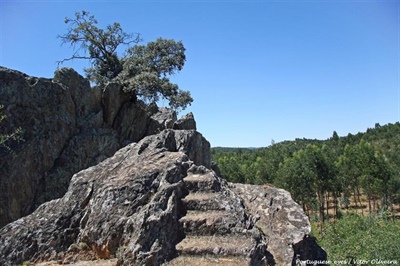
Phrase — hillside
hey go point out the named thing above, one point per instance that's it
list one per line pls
(235, 162)
(362, 158)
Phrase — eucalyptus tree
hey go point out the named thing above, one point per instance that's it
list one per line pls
(334, 184)
(368, 170)
(294, 175)
(350, 174)
(322, 175)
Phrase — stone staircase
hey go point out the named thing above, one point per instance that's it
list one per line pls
(217, 229)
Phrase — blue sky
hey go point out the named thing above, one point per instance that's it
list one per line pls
(258, 70)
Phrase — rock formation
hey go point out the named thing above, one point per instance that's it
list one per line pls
(67, 126)
(156, 201)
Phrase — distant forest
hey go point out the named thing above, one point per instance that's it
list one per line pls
(325, 175)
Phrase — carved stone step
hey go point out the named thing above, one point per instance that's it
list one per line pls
(203, 201)
(201, 182)
(110, 262)
(208, 261)
(232, 245)
(207, 222)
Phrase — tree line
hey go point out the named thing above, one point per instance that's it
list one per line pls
(324, 174)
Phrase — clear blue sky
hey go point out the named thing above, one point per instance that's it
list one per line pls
(257, 70)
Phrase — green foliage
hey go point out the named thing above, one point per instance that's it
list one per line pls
(257, 166)
(143, 70)
(357, 237)
(295, 175)
(366, 168)
(146, 69)
(315, 171)
(97, 45)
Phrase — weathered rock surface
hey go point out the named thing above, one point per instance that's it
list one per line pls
(150, 204)
(156, 201)
(67, 126)
(186, 122)
(217, 226)
(127, 206)
(110, 262)
(283, 222)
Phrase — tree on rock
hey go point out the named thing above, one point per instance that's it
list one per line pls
(144, 69)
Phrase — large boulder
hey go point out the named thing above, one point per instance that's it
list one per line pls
(85, 100)
(112, 99)
(186, 122)
(126, 206)
(48, 115)
(164, 118)
(67, 126)
(150, 204)
(282, 221)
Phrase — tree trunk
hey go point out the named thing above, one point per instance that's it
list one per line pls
(327, 205)
(335, 206)
(321, 202)
(369, 205)
(355, 196)
(359, 200)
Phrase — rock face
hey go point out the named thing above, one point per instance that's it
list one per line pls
(158, 200)
(154, 202)
(186, 122)
(284, 224)
(67, 126)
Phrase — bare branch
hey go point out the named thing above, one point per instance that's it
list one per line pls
(72, 58)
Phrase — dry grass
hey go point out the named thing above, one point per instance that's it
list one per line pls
(224, 245)
(207, 261)
(112, 262)
(199, 177)
(209, 216)
(201, 196)
(361, 207)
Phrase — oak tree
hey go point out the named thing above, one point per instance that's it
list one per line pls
(143, 70)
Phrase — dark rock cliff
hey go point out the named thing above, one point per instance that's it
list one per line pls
(67, 126)
(155, 201)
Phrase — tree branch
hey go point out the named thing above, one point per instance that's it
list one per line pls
(72, 58)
